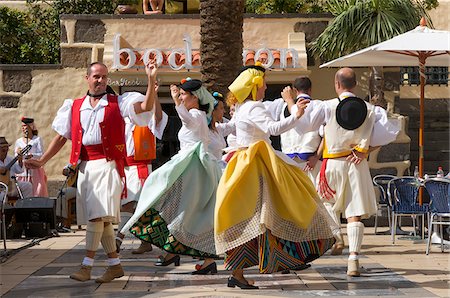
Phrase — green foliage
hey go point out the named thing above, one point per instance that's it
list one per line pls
(81, 6)
(33, 36)
(283, 6)
(430, 4)
(361, 23)
(19, 31)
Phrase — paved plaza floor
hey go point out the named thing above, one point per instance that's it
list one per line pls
(402, 269)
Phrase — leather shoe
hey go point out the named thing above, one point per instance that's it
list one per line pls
(163, 262)
(233, 282)
(336, 249)
(111, 273)
(84, 274)
(144, 247)
(211, 268)
(298, 268)
(353, 268)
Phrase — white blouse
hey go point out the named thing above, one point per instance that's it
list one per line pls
(36, 149)
(91, 117)
(217, 142)
(194, 127)
(319, 112)
(254, 123)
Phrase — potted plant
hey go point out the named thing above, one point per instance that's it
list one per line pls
(126, 6)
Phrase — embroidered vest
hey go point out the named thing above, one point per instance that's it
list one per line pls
(112, 130)
(144, 144)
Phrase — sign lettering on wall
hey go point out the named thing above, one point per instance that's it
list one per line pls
(188, 58)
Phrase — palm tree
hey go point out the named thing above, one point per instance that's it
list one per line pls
(362, 23)
(221, 23)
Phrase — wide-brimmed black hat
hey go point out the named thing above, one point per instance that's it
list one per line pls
(351, 113)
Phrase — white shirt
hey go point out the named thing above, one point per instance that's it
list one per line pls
(319, 112)
(194, 127)
(216, 144)
(254, 123)
(15, 169)
(217, 138)
(293, 141)
(91, 117)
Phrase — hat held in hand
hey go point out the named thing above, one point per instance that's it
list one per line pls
(351, 113)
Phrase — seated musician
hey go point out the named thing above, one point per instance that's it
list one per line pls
(9, 168)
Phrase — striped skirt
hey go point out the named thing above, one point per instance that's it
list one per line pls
(273, 254)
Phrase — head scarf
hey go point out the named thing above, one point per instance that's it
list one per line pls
(195, 87)
(248, 82)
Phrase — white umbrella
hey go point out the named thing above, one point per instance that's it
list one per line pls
(418, 47)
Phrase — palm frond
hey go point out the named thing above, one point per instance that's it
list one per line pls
(361, 23)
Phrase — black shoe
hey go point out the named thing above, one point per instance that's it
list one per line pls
(210, 268)
(233, 282)
(164, 262)
(298, 268)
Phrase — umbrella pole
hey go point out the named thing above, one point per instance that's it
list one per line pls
(422, 59)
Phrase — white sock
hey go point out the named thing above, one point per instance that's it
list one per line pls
(88, 261)
(353, 257)
(113, 261)
(355, 233)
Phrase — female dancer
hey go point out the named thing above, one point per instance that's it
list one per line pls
(267, 211)
(176, 207)
(37, 177)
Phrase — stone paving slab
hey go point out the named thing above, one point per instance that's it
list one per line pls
(387, 270)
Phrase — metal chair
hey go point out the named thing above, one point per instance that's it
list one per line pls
(4, 201)
(403, 193)
(439, 191)
(381, 182)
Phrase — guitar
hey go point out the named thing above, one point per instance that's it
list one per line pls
(5, 177)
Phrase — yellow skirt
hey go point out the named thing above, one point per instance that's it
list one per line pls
(259, 191)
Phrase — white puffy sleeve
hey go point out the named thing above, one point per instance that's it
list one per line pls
(385, 130)
(226, 128)
(158, 129)
(274, 107)
(316, 114)
(62, 123)
(263, 120)
(126, 105)
(189, 118)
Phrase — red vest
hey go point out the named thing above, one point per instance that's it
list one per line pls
(112, 131)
